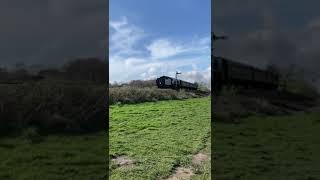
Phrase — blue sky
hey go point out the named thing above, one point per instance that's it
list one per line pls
(148, 39)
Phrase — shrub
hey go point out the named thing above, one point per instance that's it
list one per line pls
(52, 107)
(299, 86)
(142, 84)
(128, 94)
(229, 91)
(32, 135)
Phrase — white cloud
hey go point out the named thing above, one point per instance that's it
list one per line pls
(118, 24)
(124, 36)
(205, 41)
(129, 61)
(163, 48)
(126, 69)
(202, 76)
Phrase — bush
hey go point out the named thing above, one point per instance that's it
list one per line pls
(32, 135)
(52, 107)
(142, 84)
(229, 91)
(129, 95)
(299, 86)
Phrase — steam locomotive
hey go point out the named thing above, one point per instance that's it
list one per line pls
(228, 72)
(173, 83)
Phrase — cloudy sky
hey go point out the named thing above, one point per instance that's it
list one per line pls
(285, 33)
(148, 39)
(51, 32)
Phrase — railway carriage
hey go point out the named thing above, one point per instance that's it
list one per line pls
(228, 72)
(168, 82)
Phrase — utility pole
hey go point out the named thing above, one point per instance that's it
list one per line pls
(215, 38)
(214, 62)
(177, 78)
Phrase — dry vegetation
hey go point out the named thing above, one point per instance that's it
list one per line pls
(292, 95)
(299, 86)
(144, 91)
(66, 100)
(51, 107)
(131, 95)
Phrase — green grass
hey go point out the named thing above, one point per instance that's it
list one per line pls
(158, 136)
(56, 157)
(283, 147)
(203, 172)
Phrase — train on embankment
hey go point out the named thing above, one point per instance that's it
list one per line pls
(166, 82)
(228, 72)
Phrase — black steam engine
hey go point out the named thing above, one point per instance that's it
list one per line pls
(228, 72)
(173, 83)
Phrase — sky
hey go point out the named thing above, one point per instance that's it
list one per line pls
(285, 33)
(42, 33)
(148, 39)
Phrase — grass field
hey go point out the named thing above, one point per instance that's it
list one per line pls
(282, 147)
(203, 172)
(56, 157)
(157, 137)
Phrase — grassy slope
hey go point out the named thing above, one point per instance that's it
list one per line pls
(158, 136)
(57, 157)
(268, 148)
(203, 171)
